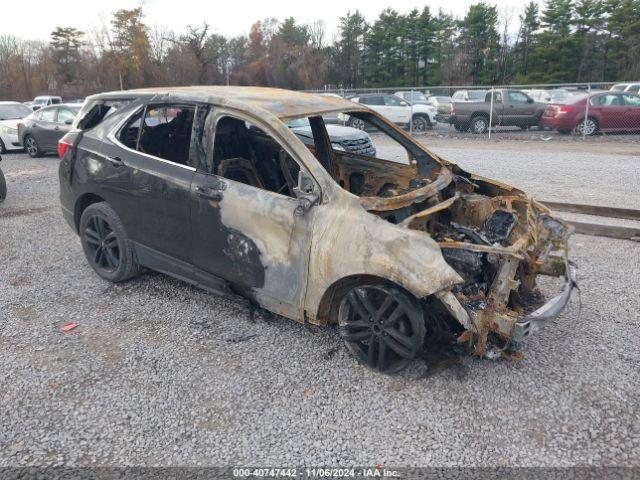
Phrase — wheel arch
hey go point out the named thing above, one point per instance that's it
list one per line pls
(82, 202)
(326, 312)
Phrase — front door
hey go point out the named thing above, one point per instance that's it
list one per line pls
(245, 220)
(517, 109)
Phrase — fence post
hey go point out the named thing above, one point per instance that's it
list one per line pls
(491, 112)
(411, 119)
(586, 114)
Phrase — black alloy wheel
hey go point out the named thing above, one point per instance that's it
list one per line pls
(102, 244)
(382, 326)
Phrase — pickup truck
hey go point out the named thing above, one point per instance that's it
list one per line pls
(510, 108)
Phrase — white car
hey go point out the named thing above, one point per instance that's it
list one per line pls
(45, 101)
(396, 110)
(630, 87)
(10, 114)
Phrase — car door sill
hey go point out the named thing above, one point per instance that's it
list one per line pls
(181, 270)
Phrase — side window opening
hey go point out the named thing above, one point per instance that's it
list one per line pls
(374, 160)
(166, 132)
(128, 135)
(247, 154)
(93, 113)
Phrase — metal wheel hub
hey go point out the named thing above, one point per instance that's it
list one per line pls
(479, 126)
(381, 327)
(419, 124)
(32, 148)
(102, 244)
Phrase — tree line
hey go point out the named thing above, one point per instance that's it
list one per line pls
(557, 41)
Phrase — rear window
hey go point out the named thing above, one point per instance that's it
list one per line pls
(93, 112)
(13, 112)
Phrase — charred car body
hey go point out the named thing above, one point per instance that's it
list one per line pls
(210, 185)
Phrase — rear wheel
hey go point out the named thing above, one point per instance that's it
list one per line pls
(106, 244)
(479, 124)
(382, 326)
(3, 187)
(3, 149)
(587, 127)
(32, 147)
(459, 128)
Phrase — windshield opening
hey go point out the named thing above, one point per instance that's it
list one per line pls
(366, 156)
(14, 112)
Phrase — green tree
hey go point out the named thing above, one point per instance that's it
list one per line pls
(529, 25)
(347, 52)
(66, 43)
(479, 43)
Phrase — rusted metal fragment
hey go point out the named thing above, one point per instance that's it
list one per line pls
(611, 231)
(611, 212)
(429, 211)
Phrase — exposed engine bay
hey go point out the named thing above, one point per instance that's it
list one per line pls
(495, 237)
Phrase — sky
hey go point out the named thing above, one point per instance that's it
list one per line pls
(227, 17)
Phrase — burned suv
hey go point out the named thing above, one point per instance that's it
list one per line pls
(210, 185)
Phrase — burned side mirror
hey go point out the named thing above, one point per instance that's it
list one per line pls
(307, 194)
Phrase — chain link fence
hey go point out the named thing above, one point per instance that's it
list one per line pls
(546, 112)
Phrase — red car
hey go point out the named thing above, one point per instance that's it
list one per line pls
(608, 112)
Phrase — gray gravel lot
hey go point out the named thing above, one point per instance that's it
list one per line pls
(156, 374)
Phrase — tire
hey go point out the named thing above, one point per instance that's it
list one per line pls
(3, 149)
(459, 128)
(421, 123)
(591, 127)
(31, 146)
(3, 187)
(106, 244)
(479, 124)
(356, 123)
(382, 326)
(524, 127)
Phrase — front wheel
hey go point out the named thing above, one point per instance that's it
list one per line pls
(382, 326)
(420, 123)
(106, 244)
(356, 123)
(32, 147)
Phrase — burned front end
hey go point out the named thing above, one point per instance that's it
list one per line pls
(498, 240)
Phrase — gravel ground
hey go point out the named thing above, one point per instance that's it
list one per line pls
(161, 373)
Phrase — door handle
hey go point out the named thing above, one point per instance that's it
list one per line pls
(115, 161)
(208, 194)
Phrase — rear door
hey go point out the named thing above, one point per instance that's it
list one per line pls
(45, 129)
(146, 175)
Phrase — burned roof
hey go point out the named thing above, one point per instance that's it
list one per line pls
(279, 102)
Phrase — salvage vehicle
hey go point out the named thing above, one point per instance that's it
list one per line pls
(210, 185)
(3, 185)
(10, 115)
(511, 108)
(40, 131)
